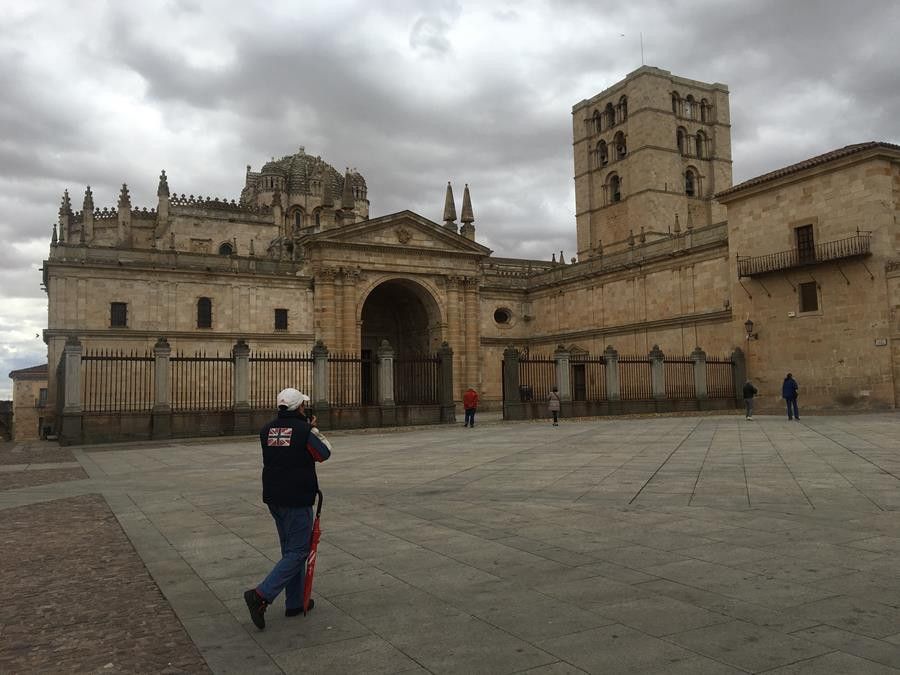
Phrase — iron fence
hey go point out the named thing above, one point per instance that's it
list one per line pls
(680, 378)
(635, 378)
(351, 380)
(417, 380)
(270, 372)
(202, 382)
(537, 377)
(117, 381)
(588, 376)
(719, 377)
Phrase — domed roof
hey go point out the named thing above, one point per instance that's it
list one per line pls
(300, 168)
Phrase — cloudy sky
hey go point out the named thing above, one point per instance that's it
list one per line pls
(412, 93)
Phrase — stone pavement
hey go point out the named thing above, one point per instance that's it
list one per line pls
(655, 545)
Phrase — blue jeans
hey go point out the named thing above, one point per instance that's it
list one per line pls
(792, 408)
(470, 417)
(294, 524)
(749, 403)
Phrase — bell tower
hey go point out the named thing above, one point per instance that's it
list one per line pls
(650, 151)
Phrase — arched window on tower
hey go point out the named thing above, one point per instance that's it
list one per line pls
(689, 107)
(680, 140)
(691, 183)
(598, 125)
(298, 219)
(602, 154)
(676, 103)
(623, 108)
(614, 187)
(318, 216)
(704, 110)
(226, 249)
(610, 115)
(700, 142)
(619, 144)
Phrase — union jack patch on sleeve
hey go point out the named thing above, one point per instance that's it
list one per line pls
(279, 436)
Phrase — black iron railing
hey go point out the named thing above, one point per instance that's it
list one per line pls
(849, 247)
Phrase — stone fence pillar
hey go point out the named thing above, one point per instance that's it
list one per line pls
(611, 359)
(161, 424)
(241, 387)
(70, 428)
(385, 374)
(698, 356)
(563, 383)
(448, 408)
(739, 371)
(513, 408)
(658, 372)
(321, 396)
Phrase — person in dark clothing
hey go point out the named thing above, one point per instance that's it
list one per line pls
(789, 390)
(291, 446)
(749, 392)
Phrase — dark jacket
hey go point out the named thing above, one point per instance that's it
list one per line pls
(290, 449)
(749, 390)
(789, 388)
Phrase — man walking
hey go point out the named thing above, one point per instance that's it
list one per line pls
(291, 446)
(470, 403)
(749, 392)
(789, 390)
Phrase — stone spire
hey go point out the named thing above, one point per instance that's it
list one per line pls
(449, 209)
(124, 198)
(347, 201)
(124, 217)
(163, 189)
(468, 217)
(65, 216)
(53, 239)
(65, 205)
(690, 220)
(677, 229)
(87, 215)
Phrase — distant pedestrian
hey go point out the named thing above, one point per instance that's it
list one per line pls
(789, 390)
(749, 392)
(470, 403)
(291, 446)
(553, 405)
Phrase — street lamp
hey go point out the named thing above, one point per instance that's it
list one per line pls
(748, 327)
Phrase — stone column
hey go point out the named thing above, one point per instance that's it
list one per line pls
(349, 328)
(386, 384)
(70, 431)
(561, 355)
(698, 356)
(455, 333)
(658, 372)
(448, 408)
(241, 387)
(321, 405)
(513, 408)
(161, 423)
(326, 310)
(739, 372)
(472, 326)
(611, 359)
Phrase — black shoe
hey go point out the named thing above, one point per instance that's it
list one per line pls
(299, 610)
(257, 607)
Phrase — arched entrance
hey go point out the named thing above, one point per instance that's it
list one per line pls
(405, 314)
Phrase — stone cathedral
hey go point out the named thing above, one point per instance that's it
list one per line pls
(798, 267)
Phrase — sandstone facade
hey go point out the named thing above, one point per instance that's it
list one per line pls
(298, 259)
(30, 403)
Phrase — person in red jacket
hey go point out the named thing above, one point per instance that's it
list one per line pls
(470, 403)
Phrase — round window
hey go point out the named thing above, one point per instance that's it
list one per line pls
(502, 315)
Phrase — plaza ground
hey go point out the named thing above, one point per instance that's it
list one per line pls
(697, 544)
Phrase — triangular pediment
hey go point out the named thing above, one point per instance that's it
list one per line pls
(405, 229)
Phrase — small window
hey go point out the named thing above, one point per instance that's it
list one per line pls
(610, 115)
(615, 189)
(701, 145)
(42, 395)
(806, 244)
(298, 219)
(502, 315)
(679, 140)
(598, 126)
(809, 297)
(281, 319)
(118, 314)
(204, 313)
(623, 108)
(318, 220)
(689, 107)
(621, 149)
(690, 183)
(602, 154)
(226, 249)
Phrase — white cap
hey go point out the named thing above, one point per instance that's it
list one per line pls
(291, 398)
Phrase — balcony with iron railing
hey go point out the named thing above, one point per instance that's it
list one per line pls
(855, 246)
